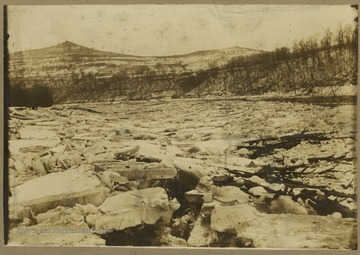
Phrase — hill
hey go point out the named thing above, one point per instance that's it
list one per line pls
(68, 72)
(68, 67)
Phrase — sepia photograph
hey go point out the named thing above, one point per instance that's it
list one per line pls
(181, 125)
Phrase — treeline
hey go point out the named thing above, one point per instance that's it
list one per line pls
(305, 48)
(329, 61)
(36, 96)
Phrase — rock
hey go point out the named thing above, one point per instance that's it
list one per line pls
(78, 185)
(285, 204)
(132, 208)
(230, 194)
(285, 230)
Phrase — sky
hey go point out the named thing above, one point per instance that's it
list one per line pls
(159, 30)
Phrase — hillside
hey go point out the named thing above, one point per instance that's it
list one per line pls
(67, 68)
(73, 73)
(59, 59)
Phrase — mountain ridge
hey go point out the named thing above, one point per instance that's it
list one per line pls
(65, 57)
(63, 48)
(71, 45)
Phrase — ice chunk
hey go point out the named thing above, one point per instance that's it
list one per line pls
(230, 194)
(126, 152)
(134, 207)
(19, 166)
(137, 171)
(76, 185)
(64, 235)
(286, 205)
(37, 165)
(191, 166)
(284, 230)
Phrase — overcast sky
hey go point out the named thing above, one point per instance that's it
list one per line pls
(170, 29)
